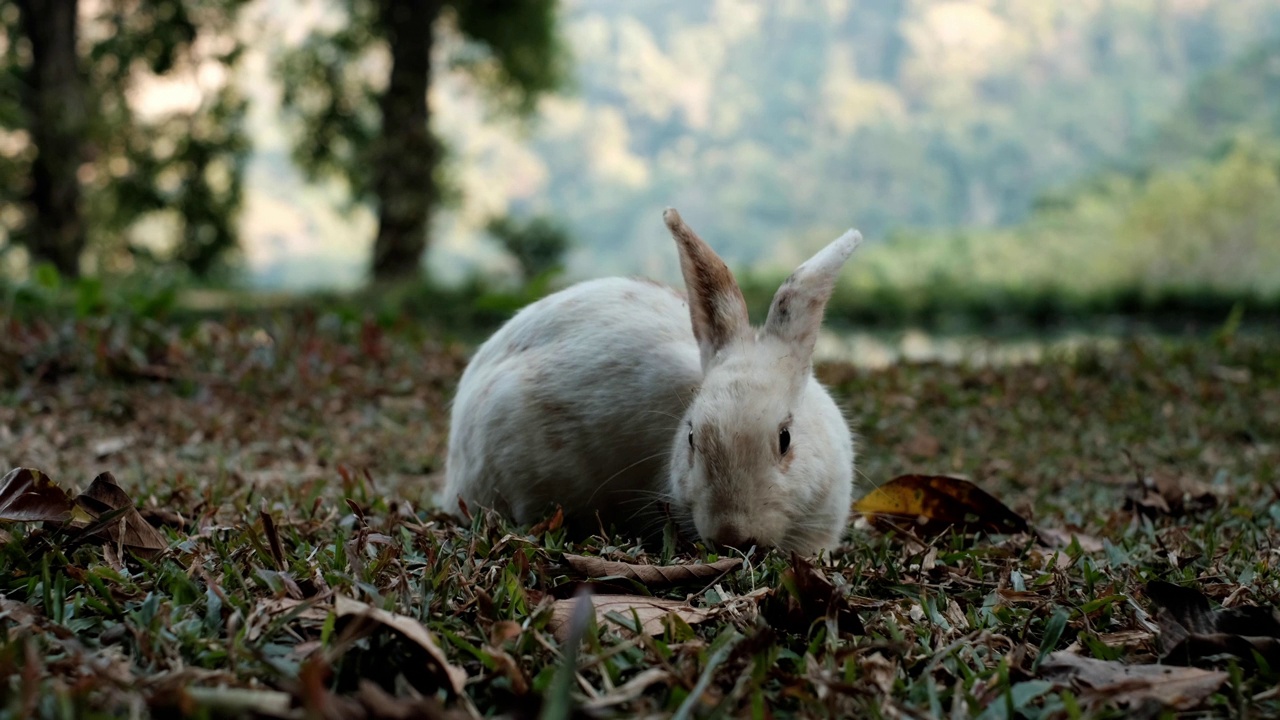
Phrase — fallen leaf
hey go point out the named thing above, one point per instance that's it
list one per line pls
(933, 503)
(1193, 633)
(1062, 538)
(273, 541)
(630, 690)
(1168, 495)
(922, 445)
(551, 524)
(652, 575)
(651, 611)
(111, 514)
(110, 446)
(1125, 638)
(408, 628)
(28, 495)
(233, 701)
(379, 703)
(1179, 688)
(806, 596)
(268, 611)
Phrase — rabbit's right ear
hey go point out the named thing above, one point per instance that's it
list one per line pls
(716, 305)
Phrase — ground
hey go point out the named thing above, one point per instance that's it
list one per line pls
(290, 461)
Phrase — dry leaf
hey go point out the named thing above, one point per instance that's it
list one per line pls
(922, 445)
(115, 518)
(1166, 495)
(1059, 538)
(410, 629)
(630, 690)
(1132, 685)
(933, 503)
(551, 524)
(651, 611)
(28, 495)
(378, 703)
(1191, 632)
(110, 446)
(266, 612)
(273, 541)
(805, 596)
(231, 701)
(652, 575)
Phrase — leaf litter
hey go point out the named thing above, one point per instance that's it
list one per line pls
(249, 479)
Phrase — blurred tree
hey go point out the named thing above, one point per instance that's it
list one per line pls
(89, 157)
(538, 244)
(54, 101)
(389, 156)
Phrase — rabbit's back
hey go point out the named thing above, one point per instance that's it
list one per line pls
(576, 402)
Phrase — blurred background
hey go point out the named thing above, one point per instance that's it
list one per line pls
(1022, 163)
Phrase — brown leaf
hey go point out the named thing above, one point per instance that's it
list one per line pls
(934, 503)
(504, 630)
(651, 611)
(28, 495)
(1166, 495)
(273, 541)
(551, 524)
(380, 704)
(1192, 633)
(408, 628)
(652, 575)
(806, 596)
(922, 445)
(1179, 688)
(307, 612)
(116, 517)
(1062, 538)
(630, 690)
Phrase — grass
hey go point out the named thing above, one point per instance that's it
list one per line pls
(327, 432)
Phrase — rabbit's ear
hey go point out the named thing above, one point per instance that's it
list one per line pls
(716, 305)
(796, 313)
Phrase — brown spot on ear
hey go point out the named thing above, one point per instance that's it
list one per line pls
(782, 304)
(716, 304)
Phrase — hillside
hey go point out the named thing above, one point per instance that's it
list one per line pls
(774, 126)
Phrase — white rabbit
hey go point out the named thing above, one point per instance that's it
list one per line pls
(603, 398)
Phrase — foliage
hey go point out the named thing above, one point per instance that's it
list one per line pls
(182, 166)
(331, 95)
(537, 244)
(774, 126)
(289, 458)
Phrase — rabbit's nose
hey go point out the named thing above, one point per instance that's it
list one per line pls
(735, 537)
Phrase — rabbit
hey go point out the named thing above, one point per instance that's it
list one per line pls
(625, 404)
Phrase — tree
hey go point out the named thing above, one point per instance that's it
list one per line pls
(54, 102)
(389, 157)
(91, 166)
(538, 244)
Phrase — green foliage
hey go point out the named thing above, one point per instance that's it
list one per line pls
(326, 426)
(774, 127)
(331, 98)
(513, 49)
(538, 244)
(183, 168)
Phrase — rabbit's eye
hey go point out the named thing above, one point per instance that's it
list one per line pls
(784, 441)
(690, 438)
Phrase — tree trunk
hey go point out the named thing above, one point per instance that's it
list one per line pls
(407, 153)
(55, 105)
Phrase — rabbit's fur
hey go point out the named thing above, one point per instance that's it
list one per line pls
(604, 398)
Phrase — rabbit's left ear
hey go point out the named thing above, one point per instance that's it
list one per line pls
(796, 313)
